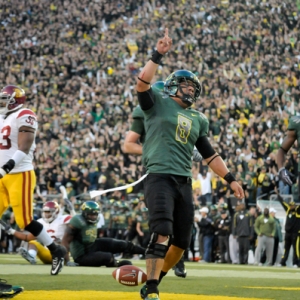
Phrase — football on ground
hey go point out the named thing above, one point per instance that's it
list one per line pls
(129, 275)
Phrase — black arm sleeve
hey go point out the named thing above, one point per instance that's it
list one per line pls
(204, 147)
(146, 99)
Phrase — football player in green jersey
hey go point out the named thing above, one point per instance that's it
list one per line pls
(81, 240)
(172, 129)
(137, 134)
(293, 134)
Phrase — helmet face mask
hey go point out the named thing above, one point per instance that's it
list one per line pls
(90, 211)
(173, 85)
(11, 98)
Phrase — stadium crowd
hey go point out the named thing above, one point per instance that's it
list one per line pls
(78, 62)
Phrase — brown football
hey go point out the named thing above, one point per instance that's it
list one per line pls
(129, 275)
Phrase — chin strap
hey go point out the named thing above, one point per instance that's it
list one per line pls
(186, 97)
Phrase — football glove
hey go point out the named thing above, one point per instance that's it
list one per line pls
(72, 264)
(7, 227)
(67, 202)
(197, 157)
(285, 176)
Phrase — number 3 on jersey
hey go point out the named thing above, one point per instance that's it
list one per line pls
(183, 129)
(5, 142)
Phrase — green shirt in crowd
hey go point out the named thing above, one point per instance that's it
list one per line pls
(265, 226)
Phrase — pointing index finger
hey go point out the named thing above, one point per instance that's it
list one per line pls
(166, 32)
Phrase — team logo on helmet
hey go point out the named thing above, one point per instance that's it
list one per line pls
(90, 211)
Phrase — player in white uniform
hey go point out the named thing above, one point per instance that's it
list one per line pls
(18, 127)
(54, 223)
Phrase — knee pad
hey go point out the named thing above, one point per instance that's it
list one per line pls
(34, 227)
(164, 228)
(157, 250)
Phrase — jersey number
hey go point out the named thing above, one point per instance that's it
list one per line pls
(4, 137)
(183, 129)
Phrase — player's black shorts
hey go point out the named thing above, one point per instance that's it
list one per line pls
(169, 199)
(100, 253)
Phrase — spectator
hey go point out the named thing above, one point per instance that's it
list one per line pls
(278, 235)
(265, 228)
(243, 231)
(207, 230)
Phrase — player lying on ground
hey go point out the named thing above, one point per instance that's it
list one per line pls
(81, 240)
(55, 224)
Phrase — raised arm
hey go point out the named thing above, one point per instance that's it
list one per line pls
(146, 75)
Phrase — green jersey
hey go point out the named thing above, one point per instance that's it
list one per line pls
(85, 236)
(172, 132)
(294, 124)
(138, 123)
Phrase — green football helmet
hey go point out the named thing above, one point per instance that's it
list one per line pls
(159, 85)
(172, 85)
(90, 211)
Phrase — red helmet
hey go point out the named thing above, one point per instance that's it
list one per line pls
(12, 97)
(50, 211)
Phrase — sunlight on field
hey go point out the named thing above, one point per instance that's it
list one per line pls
(91, 295)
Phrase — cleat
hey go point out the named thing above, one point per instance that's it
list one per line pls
(25, 254)
(153, 296)
(180, 270)
(58, 258)
(9, 291)
(143, 292)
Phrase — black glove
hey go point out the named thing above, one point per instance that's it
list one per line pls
(7, 227)
(285, 176)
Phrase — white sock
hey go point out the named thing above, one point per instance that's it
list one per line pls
(32, 253)
(45, 238)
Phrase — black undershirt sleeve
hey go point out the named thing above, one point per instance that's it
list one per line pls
(204, 147)
(146, 99)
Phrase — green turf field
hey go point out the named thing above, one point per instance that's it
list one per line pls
(204, 281)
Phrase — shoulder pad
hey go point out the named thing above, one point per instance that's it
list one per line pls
(203, 116)
(26, 112)
(78, 221)
(67, 218)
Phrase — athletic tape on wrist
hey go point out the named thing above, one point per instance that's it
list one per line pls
(11, 231)
(18, 156)
(2, 172)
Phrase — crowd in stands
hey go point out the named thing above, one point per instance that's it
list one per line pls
(78, 62)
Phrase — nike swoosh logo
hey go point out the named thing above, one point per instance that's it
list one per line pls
(54, 272)
(193, 115)
(129, 275)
